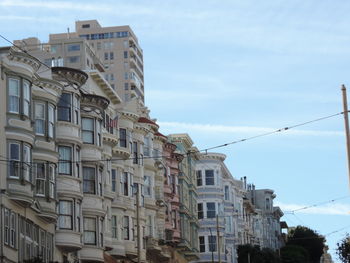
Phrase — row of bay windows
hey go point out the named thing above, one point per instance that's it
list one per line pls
(93, 227)
(39, 173)
(28, 238)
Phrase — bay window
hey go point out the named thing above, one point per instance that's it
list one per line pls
(114, 180)
(39, 118)
(212, 243)
(89, 180)
(44, 115)
(147, 185)
(40, 179)
(91, 131)
(19, 96)
(211, 212)
(122, 138)
(14, 95)
(114, 227)
(199, 178)
(88, 130)
(209, 177)
(126, 228)
(65, 215)
(20, 157)
(65, 107)
(90, 231)
(65, 160)
(201, 244)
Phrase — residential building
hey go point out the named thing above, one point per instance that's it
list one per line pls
(120, 52)
(188, 247)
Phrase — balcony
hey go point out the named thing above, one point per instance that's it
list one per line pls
(91, 253)
(68, 241)
(121, 152)
(130, 249)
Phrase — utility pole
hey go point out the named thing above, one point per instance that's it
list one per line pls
(346, 119)
(218, 236)
(138, 223)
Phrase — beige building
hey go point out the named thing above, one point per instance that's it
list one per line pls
(119, 51)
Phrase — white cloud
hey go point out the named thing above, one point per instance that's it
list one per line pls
(328, 209)
(250, 130)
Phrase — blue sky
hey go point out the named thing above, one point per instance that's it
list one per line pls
(226, 70)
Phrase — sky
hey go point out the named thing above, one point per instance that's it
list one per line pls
(226, 70)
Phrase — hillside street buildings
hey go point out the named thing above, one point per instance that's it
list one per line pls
(88, 177)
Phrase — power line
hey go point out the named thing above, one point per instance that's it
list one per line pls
(269, 133)
(316, 204)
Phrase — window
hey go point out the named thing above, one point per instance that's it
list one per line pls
(114, 180)
(149, 223)
(40, 179)
(227, 193)
(200, 210)
(65, 215)
(51, 120)
(88, 130)
(147, 185)
(77, 163)
(209, 177)
(26, 98)
(14, 95)
(78, 216)
(89, 231)
(52, 180)
(199, 178)
(89, 180)
(173, 219)
(267, 203)
(125, 184)
(111, 55)
(14, 153)
(65, 107)
(114, 227)
(73, 47)
(106, 55)
(27, 158)
(201, 244)
(126, 86)
(75, 59)
(211, 210)
(135, 153)
(126, 75)
(126, 228)
(18, 103)
(111, 77)
(85, 26)
(6, 226)
(13, 230)
(41, 126)
(98, 45)
(212, 243)
(173, 183)
(126, 44)
(125, 54)
(122, 137)
(147, 148)
(65, 160)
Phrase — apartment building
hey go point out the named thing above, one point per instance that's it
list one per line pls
(119, 51)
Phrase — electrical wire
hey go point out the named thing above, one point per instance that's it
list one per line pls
(316, 204)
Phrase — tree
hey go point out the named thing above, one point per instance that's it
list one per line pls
(309, 239)
(256, 255)
(343, 249)
(294, 254)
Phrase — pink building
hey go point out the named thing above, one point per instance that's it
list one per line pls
(171, 193)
